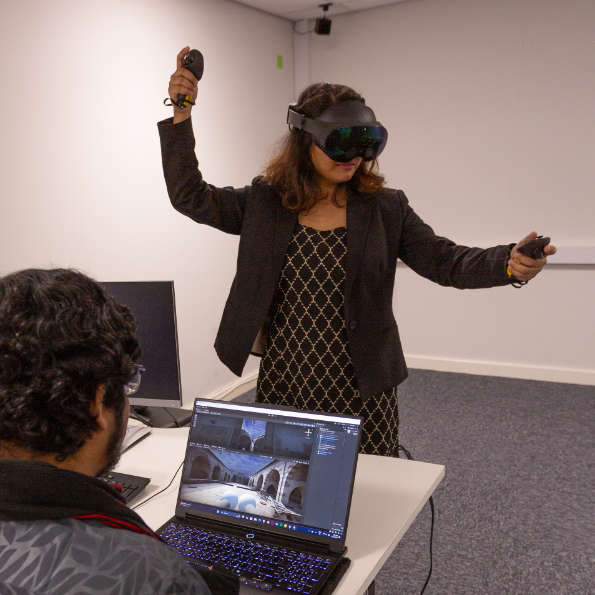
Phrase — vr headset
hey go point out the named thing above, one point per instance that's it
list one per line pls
(344, 131)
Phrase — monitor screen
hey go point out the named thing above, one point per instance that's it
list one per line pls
(283, 470)
(153, 306)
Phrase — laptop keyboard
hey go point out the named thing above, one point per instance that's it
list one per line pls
(259, 565)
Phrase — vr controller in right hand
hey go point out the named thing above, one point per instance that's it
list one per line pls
(183, 83)
(194, 62)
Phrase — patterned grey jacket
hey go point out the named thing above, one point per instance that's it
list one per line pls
(70, 556)
(64, 533)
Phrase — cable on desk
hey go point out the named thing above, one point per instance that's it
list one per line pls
(147, 420)
(431, 502)
(160, 491)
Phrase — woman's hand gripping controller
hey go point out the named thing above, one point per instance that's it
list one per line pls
(183, 83)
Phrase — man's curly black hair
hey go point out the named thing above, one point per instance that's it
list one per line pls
(61, 336)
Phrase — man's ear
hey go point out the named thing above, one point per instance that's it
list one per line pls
(98, 408)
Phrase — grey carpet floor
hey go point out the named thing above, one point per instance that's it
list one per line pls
(515, 513)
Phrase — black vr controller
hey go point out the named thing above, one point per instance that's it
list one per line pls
(195, 63)
(534, 248)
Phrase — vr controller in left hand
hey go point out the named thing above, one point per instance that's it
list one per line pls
(534, 248)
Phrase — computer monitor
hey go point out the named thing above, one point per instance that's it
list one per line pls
(159, 397)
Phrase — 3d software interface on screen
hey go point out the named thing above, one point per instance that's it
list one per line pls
(291, 473)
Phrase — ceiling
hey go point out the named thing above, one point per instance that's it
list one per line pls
(296, 10)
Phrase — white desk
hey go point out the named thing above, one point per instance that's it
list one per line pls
(388, 495)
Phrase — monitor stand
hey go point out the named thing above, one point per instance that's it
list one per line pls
(161, 417)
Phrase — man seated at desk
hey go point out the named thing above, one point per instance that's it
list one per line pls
(68, 360)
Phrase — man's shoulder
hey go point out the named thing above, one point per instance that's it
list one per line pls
(67, 556)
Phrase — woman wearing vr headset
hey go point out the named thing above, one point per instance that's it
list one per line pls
(320, 235)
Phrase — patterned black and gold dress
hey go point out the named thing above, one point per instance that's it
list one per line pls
(306, 363)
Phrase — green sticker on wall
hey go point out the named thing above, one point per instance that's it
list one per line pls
(280, 62)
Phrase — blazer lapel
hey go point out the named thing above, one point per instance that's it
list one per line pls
(286, 221)
(359, 211)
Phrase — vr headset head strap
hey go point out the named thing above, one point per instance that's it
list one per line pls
(300, 121)
(345, 113)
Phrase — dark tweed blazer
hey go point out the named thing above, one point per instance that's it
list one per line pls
(380, 229)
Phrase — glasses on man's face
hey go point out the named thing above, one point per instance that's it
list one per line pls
(134, 382)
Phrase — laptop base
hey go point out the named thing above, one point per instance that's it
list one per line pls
(250, 584)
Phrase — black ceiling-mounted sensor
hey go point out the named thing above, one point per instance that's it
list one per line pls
(323, 24)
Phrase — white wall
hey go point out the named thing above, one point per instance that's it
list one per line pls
(489, 107)
(82, 86)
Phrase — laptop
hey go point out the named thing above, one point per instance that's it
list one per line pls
(265, 495)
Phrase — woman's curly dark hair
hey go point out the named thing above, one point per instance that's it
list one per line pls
(291, 172)
(61, 336)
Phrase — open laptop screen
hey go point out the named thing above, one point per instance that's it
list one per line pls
(286, 470)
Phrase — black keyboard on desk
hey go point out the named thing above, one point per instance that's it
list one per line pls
(260, 565)
(128, 485)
